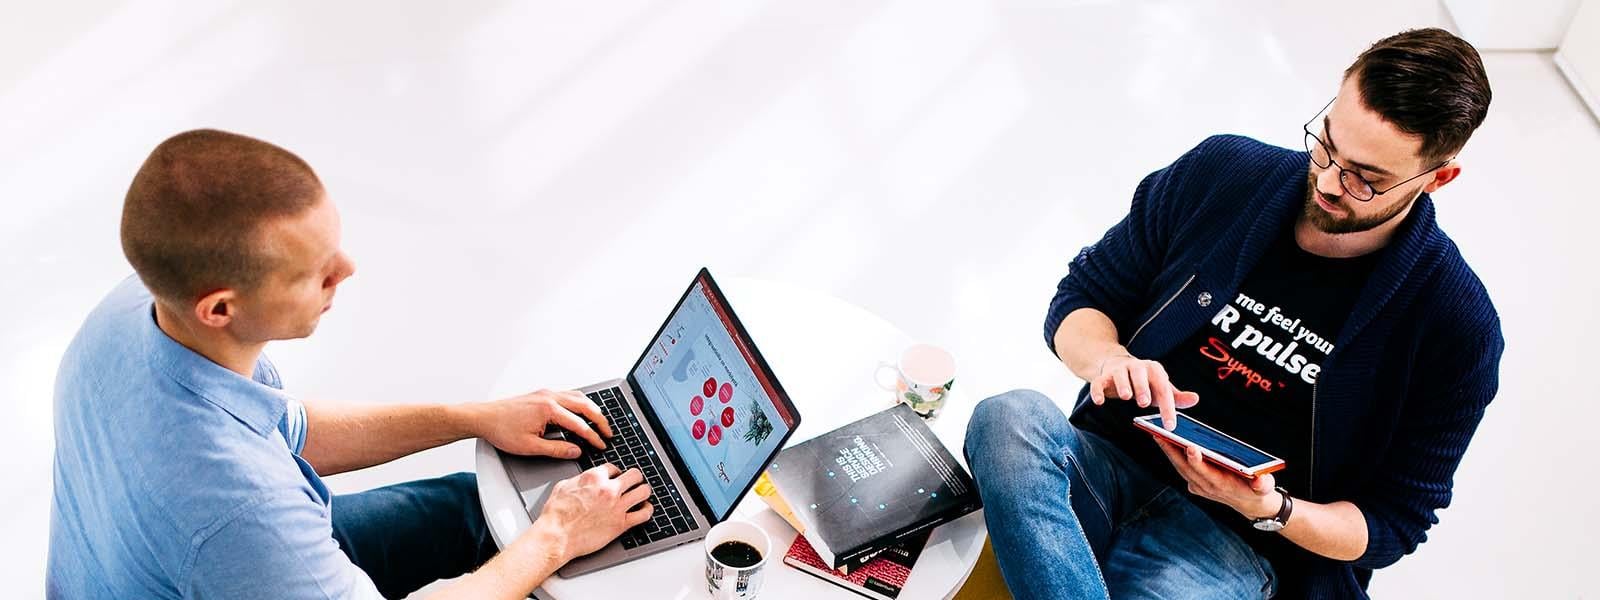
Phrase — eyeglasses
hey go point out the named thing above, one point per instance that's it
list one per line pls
(1351, 181)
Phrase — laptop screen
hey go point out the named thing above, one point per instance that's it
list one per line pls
(714, 398)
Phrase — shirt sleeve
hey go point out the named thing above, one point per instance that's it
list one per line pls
(293, 426)
(293, 556)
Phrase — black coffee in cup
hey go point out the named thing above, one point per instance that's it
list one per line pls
(736, 554)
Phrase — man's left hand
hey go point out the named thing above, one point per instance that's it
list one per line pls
(1253, 498)
(518, 424)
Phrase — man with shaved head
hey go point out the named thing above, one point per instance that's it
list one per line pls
(184, 470)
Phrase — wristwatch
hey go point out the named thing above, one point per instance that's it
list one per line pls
(1276, 522)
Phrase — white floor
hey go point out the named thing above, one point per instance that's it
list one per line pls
(516, 174)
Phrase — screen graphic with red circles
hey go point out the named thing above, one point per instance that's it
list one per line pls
(717, 404)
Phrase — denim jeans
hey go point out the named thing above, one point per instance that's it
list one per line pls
(1071, 516)
(408, 535)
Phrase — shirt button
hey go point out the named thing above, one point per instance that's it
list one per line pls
(1204, 299)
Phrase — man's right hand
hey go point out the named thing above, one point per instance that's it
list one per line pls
(582, 515)
(1143, 381)
(586, 512)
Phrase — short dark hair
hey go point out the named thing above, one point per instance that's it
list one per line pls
(193, 213)
(1426, 82)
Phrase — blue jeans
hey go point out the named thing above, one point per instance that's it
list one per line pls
(408, 535)
(1071, 516)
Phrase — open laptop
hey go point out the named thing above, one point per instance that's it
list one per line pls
(700, 414)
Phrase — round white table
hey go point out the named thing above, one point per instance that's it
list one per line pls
(824, 352)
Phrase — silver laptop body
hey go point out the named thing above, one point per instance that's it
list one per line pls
(533, 477)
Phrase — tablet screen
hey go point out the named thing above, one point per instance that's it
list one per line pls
(1217, 442)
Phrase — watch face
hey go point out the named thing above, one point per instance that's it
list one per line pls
(1268, 525)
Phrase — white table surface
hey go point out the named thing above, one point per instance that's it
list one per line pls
(824, 351)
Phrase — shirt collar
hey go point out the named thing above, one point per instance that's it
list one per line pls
(256, 404)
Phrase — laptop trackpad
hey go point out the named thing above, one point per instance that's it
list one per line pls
(534, 476)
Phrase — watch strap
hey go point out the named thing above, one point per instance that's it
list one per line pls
(1284, 510)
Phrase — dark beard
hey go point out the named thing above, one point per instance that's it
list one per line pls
(1328, 223)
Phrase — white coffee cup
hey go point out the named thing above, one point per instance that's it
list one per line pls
(923, 378)
(727, 582)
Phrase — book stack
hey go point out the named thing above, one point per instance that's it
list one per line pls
(865, 497)
(881, 577)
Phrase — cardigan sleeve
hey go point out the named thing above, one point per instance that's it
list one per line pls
(1416, 477)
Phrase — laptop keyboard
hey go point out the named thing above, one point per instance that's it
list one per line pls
(628, 448)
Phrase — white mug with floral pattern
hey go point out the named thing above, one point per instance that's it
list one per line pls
(922, 378)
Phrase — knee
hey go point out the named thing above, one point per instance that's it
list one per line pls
(1008, 412)
(463, 486)
(1009, 419)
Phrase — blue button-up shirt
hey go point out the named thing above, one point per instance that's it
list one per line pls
(177, 478)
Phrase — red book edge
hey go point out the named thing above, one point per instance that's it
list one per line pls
(884, 571)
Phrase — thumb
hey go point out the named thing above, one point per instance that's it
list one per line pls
(1263, 483)
(539, 446)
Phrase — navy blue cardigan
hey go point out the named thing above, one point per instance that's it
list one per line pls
(1414, 368)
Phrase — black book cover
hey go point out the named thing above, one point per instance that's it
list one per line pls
(864, 486)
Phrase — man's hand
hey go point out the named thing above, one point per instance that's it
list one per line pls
(1253, 498)
(583, 514)
(518, 424)
(1143, 381)
(586, 512)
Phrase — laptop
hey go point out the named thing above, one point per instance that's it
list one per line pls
(700, 414)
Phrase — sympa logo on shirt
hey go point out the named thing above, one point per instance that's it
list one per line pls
(1290, 334)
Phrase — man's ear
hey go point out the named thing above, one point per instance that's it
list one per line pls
(216, 309)
(1444, 175)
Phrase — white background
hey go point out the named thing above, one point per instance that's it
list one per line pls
(550, 174)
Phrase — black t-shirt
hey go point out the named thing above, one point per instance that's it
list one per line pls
(1254, 365)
